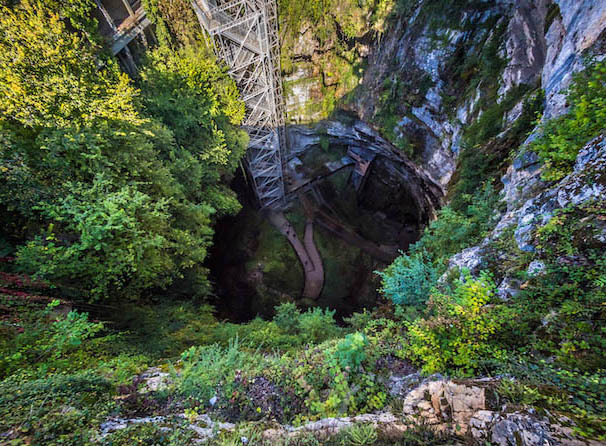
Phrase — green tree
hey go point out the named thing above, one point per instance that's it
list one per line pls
(111, 189)
(409, 280)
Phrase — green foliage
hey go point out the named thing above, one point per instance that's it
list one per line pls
(305, 439)
(287, 317)
(409, 279)
(542, 384)
(318, 325)
(360, 435)
(567, 301)
(175, 23)
(458, 333)
(484, 156)
(333, 27)
(399, 94)
(453, 231)
(111, 191)
(351, 351)
(208, 367)
(289, 329)
(563, 137)
(150, 434)
(119, 232)
(348, 392)
(46, 338)
(166, 329)
(359, 321)
(57, 410)
(184, 88)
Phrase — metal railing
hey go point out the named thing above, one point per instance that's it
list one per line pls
(244, 34)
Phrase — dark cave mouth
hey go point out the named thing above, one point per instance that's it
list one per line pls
(359, 227)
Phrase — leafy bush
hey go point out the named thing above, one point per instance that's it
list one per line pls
(110, 190)
(351, 351)
(409, 279)
(359, 321)
(210, 370)
(120, 232)
(288, 317)
(317, 325)
(459, 331)
(45, 339)
(453, 231)
(563, 137)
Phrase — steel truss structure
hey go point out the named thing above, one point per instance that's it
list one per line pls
(244, 34)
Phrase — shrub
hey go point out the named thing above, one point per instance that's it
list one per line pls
(454, 230)
(317, 325)
(458, 333)
(563, 137)
(287, 317)
(351, 351)
(409, 279)
(46, 338)
(212, 369)
(359, 321)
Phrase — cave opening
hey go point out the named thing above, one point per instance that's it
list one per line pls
(369, 202)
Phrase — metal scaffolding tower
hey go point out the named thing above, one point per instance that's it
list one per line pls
(245, 36)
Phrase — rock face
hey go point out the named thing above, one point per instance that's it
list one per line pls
(389, 425)
(446, 405)
(543, 43)
(377, 165)
(512, 429)
(470, 409)
(576, 32)
(525, 46)
(533, 204)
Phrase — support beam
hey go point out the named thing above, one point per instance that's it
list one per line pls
(133, 26)
(244, 34)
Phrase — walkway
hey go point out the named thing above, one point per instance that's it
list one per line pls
(306, 252)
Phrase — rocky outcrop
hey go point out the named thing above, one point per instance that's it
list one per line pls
(587, 182)
(471, 409)
(389, 425)
(525, 47)
(531, 205)
(577, 31)
(463, 411)
(446, 405)
(511, 429)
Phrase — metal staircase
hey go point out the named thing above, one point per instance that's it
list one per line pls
(244, 34)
